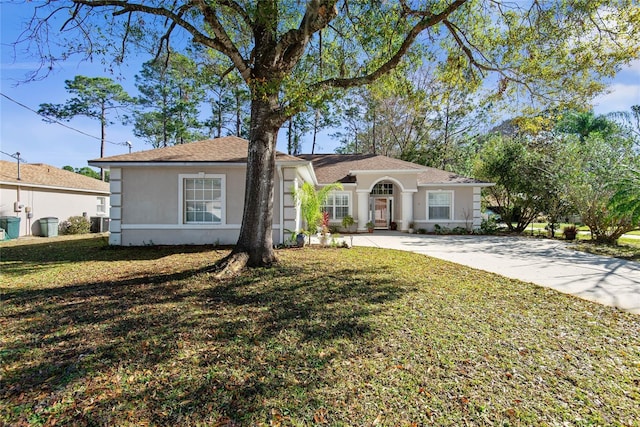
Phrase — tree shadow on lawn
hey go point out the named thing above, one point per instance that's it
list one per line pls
(19, 260)
(183, 348)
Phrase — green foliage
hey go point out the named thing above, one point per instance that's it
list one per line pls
(86, 171)
(489, 225)
(347, 222)
(525, 177)
(310, 201)
(144, 335)
(595, 165)
(626, 198)
(170, 96)
(584, 124)
(96, 98)
(296, 55)
(75, 225)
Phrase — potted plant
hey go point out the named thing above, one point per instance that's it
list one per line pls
(394, 225)
(300, 239)
(370, 226)
(570, 232)
(347, 222)
(411, 227)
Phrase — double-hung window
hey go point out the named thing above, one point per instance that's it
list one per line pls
(202, 199)
(337, 204)
(439, 205)
(101, 206)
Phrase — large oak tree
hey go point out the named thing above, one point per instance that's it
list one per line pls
(292, 53)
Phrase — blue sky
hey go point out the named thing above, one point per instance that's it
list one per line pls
(23, 131)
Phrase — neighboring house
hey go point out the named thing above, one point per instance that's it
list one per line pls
(44, 191)
(194, 193)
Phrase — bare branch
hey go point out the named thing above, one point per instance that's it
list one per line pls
(428, 20)
(222, 42)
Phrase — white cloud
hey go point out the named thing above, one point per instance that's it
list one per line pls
(620, 98)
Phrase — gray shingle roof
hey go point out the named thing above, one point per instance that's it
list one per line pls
(229, 149)
(336, 168)
(39, 174)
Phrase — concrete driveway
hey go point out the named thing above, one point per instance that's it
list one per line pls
(549, 263)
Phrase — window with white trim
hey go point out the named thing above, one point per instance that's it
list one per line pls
(439, 205)
(337, 204)
(101, 206)
(202, 199)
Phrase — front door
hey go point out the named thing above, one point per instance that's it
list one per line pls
(381, 212)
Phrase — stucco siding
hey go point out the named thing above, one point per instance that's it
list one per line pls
(463, 208)
(407, 181)
(45, 203)
(182, 236)
(150, 208)
(150, 195)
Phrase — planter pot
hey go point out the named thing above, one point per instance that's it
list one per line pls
(411, 231)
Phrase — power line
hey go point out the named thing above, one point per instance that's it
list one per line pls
(16, 156)
(58, 122)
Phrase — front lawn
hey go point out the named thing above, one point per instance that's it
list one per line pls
(92, 335)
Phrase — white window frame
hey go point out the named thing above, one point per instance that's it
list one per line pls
(451, 196)
(333, 210)
(101, 205)
(181, 200)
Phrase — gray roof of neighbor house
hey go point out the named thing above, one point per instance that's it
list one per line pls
(46, 176)
(344, 167)
(228, 149)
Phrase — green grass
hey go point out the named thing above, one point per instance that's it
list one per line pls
(92, 335)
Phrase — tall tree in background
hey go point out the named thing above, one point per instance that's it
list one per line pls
(553, 50)
(424, 117)
(96, 98)
(629, 121)
(227, 97)
(170, 94)
(526, 182)
(600, 161)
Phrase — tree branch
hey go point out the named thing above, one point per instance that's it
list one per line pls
(428, 20)
(293, 43)
(222, 42)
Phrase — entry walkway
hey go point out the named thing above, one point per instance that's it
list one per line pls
(545, 262)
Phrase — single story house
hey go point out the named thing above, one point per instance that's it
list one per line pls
(194, 193)
(44, 191)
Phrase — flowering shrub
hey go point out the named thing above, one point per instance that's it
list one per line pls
(75, 225)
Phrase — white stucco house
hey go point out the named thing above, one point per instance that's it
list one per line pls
(44, 191)
(194, 193)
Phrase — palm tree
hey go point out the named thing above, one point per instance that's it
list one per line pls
(310, 201)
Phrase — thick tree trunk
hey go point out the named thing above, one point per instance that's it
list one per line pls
(255, 243)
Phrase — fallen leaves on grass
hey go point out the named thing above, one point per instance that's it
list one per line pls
(145, 336)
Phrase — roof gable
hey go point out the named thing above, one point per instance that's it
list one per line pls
(39, 174)
(344, 168)
(338, 167)
(228, 149)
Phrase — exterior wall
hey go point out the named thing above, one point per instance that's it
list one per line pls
(45, 203)
(291, 181)
(408, 181)
(404, 188)
(353, 198)
(466, 211)
(146, 207)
